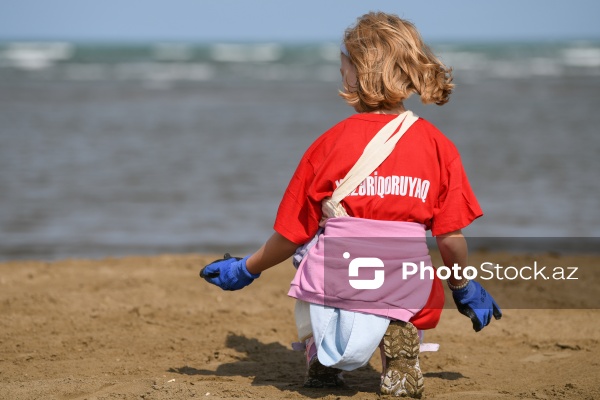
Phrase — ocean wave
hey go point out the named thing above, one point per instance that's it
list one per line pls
(172, 62)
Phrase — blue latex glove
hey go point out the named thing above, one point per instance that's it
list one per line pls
(477, 304)
(228, 273)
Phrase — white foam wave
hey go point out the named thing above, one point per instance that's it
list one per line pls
(35, 55)
(239, 53)
(464, 60)
(571, 61)
(588, 57)
(140, 71)
(330, 52)
(165, 72)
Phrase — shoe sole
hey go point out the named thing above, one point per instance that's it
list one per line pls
(402, 376)
(319, 376)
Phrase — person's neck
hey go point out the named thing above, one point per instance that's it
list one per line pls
(396, 110)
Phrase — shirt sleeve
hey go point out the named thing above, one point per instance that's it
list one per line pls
(299, 214)
(457, 205)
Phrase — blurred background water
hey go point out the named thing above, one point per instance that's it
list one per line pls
(108, 150)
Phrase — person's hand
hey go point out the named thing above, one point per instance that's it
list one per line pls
(228, 273)
(477, 304)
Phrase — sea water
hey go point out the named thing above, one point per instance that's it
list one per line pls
(108, 150)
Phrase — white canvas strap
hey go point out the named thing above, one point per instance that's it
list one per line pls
(376, 151)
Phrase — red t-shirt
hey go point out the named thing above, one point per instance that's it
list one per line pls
(422, 181)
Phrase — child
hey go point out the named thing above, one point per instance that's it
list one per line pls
(422, 186)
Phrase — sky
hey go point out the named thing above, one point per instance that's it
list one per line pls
(289, 21)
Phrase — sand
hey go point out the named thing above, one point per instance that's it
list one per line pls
(149, 328)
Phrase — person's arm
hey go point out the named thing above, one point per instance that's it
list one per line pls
(470, 297)
(453, 249)
(232, 273)
(276, 250)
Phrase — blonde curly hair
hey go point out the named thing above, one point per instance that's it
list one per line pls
(392, 62)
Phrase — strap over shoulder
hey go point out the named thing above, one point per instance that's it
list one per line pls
(376, 151)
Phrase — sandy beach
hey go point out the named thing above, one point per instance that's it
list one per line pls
(148, 327)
